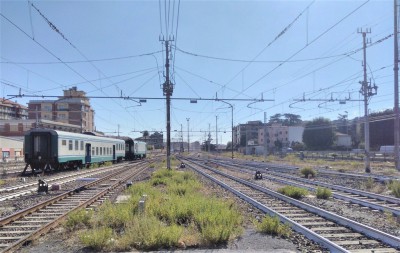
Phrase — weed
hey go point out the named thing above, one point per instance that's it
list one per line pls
(114, 216)
(108, 163)
(394, 186)
(78, 219)
(307, 172)
(94, 166)
(272, 226)
(369, 183)
(97, 239)
(293, 192)
(323, 193)
(148, 233)
(2, 182)
(170, 212)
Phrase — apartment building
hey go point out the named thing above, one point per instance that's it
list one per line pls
(12, 110)
(72, 108)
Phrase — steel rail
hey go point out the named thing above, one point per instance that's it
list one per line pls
(294, 225)
(391, 240)
(55, 222)
(354, 200)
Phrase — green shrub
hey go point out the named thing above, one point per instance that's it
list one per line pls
(148, 233)
(293, 192)
(2, 182)
(114, 216)
(170, 212)
(94, 166)
(394, 186)
(272, 226)
(108, 163)
(97, 239)
(323, 193)
(76, 219)
(308, 171)
(369, 183)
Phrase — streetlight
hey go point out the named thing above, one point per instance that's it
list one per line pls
(231, 106)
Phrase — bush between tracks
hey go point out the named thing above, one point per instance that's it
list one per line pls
(293, 192)
(394, 186)
(323, 193)
(78, 219)
(97, 239)
(177, 208)
(307, 172)
(272, 226)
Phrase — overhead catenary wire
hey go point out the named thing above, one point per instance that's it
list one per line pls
(301, 49)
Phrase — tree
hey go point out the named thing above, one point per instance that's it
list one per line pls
(229, 145)
(291, 119)
(276, 118)
(318, 134)
(145, 133)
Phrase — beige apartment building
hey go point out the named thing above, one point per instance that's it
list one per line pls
(73, 108)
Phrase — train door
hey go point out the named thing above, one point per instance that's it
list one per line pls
(88, 154)
(41, 146)
(113, 153)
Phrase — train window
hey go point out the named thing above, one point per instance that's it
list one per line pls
(97, 150)
(64, 142)
(82, 145)
(70, 144)
(101, 151)
(76, 145)
(92, 150)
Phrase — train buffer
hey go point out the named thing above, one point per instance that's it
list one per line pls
(43, 187)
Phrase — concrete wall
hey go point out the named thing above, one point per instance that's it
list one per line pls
(11, 149)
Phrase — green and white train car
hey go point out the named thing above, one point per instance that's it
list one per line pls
(47, 149)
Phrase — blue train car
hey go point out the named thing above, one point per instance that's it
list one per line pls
(47, 149)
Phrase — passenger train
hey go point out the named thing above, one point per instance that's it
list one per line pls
(47, 149)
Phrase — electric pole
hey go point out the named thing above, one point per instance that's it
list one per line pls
(366, 90)
(265, 136)
(187, 119)
(181, 148)
(168, 88)
(216, 133)
(396, 91)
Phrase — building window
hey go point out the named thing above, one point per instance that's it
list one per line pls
(70, 144)
(64, 142)
(47, 108)
(6, 154)
(76, 145)
(82, 145)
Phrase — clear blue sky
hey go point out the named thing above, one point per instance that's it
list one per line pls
(308, 58)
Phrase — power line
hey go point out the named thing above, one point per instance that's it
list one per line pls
(86, 61)
(270, 43)
(293, 55)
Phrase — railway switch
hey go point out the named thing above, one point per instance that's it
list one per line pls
(43, 187)
(258, 175)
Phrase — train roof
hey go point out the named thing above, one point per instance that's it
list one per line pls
(70, 134)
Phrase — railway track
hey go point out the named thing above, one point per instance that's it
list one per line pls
(374, 201)
(321, 171)
(336, 233)
(23, 189)
(28, 224)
